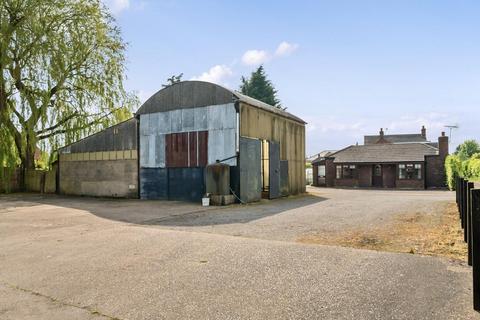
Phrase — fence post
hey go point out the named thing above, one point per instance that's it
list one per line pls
(476, 247)
(470, 186)
(460, 200)
(457, 186)
(464, 208)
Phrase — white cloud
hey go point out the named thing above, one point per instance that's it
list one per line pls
(216, 74)
(255, 57)
(117, 6)
(434, 122)
(285, 49)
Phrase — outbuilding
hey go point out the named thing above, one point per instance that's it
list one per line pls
(402, 161)
(163, 151)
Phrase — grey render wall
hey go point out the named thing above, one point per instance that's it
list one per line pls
(219, 120)
(99, 178)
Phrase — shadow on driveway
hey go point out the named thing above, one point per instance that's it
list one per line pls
(160, 212)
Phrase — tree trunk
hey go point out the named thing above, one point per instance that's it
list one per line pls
(28, 161)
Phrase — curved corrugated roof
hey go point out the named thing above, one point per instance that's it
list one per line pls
(193, 94)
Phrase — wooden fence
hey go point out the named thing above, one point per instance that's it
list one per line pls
(40, 181)
(468, 202)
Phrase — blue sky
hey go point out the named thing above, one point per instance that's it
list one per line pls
(346, 67)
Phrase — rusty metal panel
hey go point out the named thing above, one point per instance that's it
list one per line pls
(186, 149)
(176, 148)
(192, 149)
(202, 148)
(198, 144)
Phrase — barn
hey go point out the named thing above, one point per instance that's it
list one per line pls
(176, 134)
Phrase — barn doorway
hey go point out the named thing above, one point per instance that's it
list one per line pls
(270, 170)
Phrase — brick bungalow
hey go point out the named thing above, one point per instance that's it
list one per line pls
(402, 161)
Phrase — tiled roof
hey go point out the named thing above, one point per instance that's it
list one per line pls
(386, 153)
(395, 138)
(321, 156)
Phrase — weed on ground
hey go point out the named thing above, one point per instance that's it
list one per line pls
(436, 234)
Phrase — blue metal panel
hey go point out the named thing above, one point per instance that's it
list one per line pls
(153, 183)
(187, 184)
(250, 170)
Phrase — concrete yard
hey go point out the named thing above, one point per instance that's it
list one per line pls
(83, 258)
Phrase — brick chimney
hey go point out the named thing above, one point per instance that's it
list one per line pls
(443, 146)
(424, 132)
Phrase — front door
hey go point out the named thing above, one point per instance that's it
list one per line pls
(377, 179)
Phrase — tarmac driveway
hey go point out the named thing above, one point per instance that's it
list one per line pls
(108, 259)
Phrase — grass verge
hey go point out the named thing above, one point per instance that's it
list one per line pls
(436, 234)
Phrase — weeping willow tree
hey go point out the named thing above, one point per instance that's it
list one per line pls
(62, 65)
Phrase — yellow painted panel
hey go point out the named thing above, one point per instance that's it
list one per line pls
(127, 154)
(134, 154)
(105, 155)
(112, 155)
(119, 155)
(260, 124)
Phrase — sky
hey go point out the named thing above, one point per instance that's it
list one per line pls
(348, 68)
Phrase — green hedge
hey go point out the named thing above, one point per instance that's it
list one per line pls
(455, 167)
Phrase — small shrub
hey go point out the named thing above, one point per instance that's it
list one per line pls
(453, 169)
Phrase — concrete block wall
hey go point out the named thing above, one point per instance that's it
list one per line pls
(99, 178)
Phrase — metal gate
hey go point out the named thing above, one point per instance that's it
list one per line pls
(250, 169)
(274, 169)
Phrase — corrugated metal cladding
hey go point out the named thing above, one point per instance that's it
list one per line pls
(172, 183)
(186, 149)
(260, 124)
(122, 136)
(218, 120)
(250, 169)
